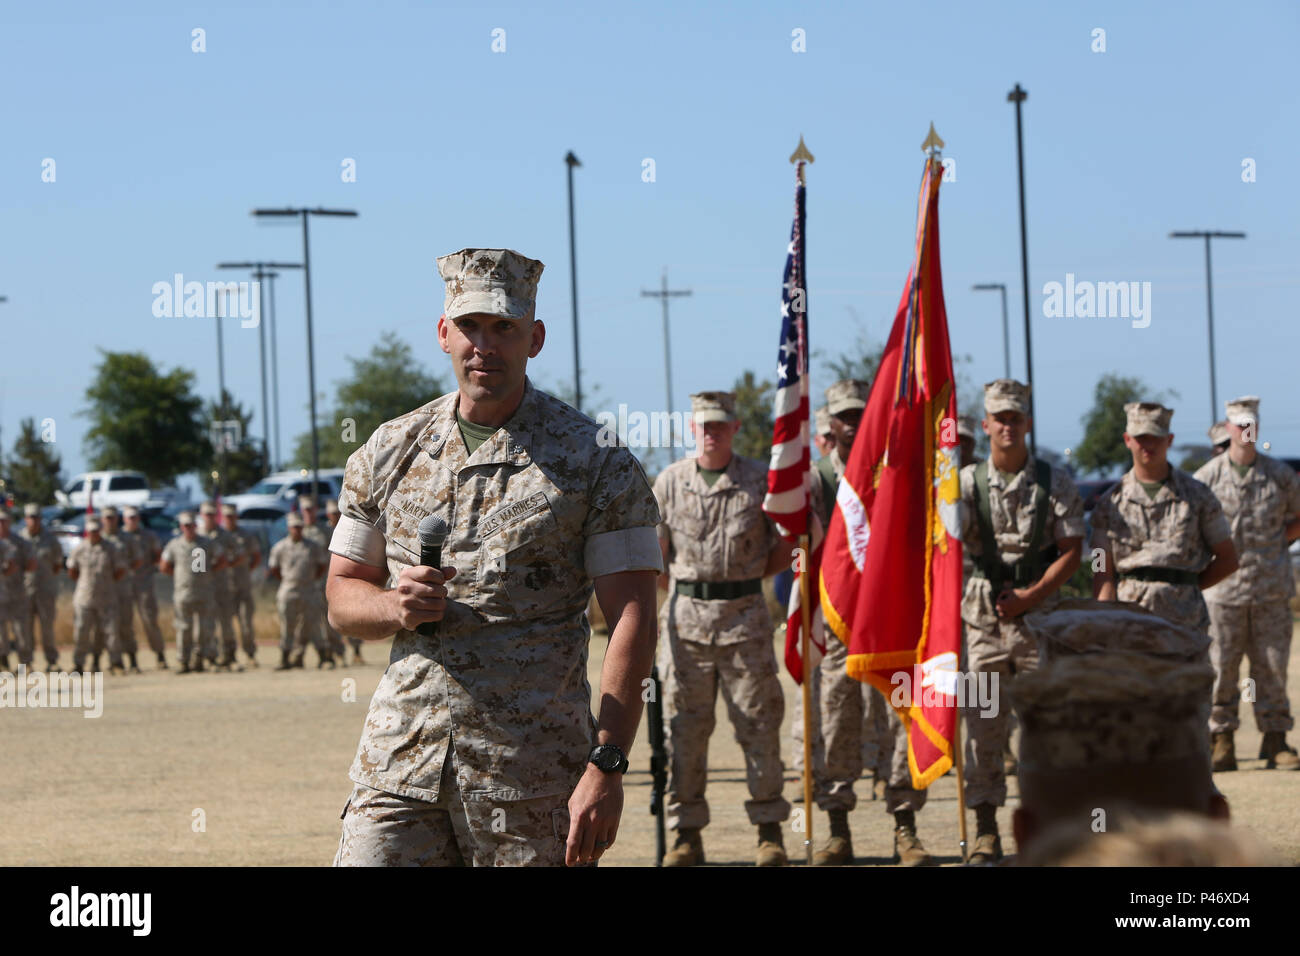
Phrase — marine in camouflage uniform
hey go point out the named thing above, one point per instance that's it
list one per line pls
(8, 566)
(16, 618)
(300, 563)
(330, 639)
(1161, 532)
(718, 545)
(1029, 521)
(332, 515)
(96, 564)
(125, 586)
(853, 718)
(148, 550)
(228, 552)
(1250, 611)
(241, 582)
(41, 584)
(479, 738)
(1113, 724)
(189, 558)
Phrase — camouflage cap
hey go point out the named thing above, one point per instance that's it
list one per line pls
(847, 394)
(713, 407)
(822, 420)
(130, 511)
(1243, 411)
(965, 426)
(92, 523)
(1147, 418)
(1111, 708)
(109, 511)
(1074, 626)
(31, 510)
(185, 517)
(229, 510)
(294, 520)
(5, 515)
(306, 501)
(332, 507)
(207, 508)
(495, 281)
(1006, 395)
(1218, 433)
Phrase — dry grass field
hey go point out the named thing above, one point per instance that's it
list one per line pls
(261, 758)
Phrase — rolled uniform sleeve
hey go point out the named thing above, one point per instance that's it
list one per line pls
(1291, 492)
(1067, 506)
(622, 527)
(359, 535)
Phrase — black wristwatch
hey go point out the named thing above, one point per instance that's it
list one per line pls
(608, 758)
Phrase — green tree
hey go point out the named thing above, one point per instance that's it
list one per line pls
(754, 409)
(143, 419)
(1103, 446)
(244, 464)
(384, 384)
(35, 467)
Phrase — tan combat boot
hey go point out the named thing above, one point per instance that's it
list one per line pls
(688, 849)
(838, 850)
(988, 844)
(1277, 753)
(908, 849)
(1223, 755)
(771, 846)
(878, 788)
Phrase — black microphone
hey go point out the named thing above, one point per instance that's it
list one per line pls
(433, 532)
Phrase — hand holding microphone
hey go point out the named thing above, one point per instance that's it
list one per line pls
(422, 598)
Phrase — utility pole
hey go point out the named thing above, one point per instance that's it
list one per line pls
(1215, 412)
(1018, 96)
(259, 273)
(664, 294)
(306, 215)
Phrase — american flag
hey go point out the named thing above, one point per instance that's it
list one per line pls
(789, 479)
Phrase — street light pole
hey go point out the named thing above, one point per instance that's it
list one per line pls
(1209, 302)
(571, 161)
(259, 272)
(306, 213)
(664, 294)
(1006, 333)
(1018, 96)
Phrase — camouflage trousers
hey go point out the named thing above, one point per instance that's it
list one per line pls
(856, 730)
(195, 629)
(241, 596)
(41, 607)
(126, 616)
(331, 637)
(1002, 650)
(796, 725)
(93, 630)
(223, 607)
(383, 829)
(692, 673)
(146, 605)
(1262, 633)
(299, 623)
(16, 628)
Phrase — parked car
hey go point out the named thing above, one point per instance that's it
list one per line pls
(70, 525)
(118, 488)
(280, 491)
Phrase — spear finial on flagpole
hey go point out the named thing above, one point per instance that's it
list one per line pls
(933, 144)
(801, 153)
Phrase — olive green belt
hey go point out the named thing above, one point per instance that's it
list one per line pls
(1167, 575)
(719, 590)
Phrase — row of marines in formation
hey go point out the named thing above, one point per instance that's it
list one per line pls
(1160, 538)
(211, 565)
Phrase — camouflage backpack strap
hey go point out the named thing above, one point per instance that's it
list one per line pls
(1042, 504)
(990, 561)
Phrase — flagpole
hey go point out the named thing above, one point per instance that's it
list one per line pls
(800, 158)
(934, 145)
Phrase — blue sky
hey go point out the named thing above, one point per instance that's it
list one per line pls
(161, 152)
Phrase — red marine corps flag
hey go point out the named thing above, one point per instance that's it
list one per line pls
(891, 568)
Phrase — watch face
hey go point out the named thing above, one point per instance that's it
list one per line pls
(606, 759)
